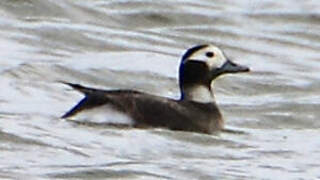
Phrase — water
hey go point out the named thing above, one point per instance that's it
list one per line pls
(137, 45)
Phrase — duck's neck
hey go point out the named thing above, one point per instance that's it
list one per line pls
(197, 93)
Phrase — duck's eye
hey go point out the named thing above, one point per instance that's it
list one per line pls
(209, 54)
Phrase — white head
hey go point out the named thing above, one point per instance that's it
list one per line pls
(199, 66)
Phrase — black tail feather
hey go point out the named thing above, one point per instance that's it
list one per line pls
(80, 88)
(90, 100)
(93, 98)
(77, 108)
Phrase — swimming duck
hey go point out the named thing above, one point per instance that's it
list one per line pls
(195, 111)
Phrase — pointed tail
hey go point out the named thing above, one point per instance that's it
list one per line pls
(80, 88)
(90, 100)
(77, 108)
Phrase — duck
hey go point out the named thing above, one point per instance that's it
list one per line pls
(195, 110)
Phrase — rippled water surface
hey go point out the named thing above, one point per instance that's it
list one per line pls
(137, 44)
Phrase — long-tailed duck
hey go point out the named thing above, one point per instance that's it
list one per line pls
(195, 111)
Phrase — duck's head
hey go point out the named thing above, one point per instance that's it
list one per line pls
(200, 65)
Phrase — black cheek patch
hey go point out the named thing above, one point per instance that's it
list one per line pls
(195, 72)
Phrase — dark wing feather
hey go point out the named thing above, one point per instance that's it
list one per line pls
(156, 111)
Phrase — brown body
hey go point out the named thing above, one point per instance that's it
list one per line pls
(153, 111)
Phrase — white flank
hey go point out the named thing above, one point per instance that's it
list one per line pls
(104, 114)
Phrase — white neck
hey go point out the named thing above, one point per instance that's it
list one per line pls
(199, 93)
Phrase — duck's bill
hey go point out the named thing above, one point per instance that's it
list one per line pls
(231, 67)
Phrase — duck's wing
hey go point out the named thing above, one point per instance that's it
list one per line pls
(154, 111)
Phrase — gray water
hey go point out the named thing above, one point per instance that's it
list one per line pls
(137, 44)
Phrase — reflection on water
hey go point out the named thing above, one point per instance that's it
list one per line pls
(137, 45)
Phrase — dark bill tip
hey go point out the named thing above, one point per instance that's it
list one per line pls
(231, 67)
